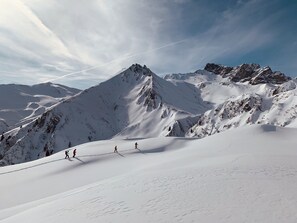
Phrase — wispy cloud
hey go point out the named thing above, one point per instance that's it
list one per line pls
(74, 42)
(117, 60)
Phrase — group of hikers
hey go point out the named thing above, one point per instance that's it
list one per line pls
(67, 154)
(116, 148)
(74, 151)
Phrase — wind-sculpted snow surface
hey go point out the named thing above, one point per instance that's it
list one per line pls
(243, 175)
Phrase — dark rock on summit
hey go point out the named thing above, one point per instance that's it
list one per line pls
(218, 69)
(251, 73)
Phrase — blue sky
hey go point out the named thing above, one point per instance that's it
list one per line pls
(81, 43)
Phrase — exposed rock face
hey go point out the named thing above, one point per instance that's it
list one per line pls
(218, 69)
(252, 73)
(244, 72)
(137, 68)
(240, 111)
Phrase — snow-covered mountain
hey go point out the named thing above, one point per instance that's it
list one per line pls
(243, 95)
(138, 104)
(20, 104)
(135, 103)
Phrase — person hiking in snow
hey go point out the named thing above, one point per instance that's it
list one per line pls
(47, 153)
(67, 154)
(136, 145)
(74, 153)
(115, 149)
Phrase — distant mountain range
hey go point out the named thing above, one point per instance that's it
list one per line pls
(137, 103)
(20, 104)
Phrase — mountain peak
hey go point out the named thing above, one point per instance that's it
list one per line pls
(137, 68)
(135, 72)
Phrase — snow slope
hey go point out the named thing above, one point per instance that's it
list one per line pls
(20, 104)
(242, 175)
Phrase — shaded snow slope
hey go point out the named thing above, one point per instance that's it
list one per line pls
(242, 175)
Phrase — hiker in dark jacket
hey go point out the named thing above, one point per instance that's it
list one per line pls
(74, 153)
(115, 149)
(67, 154)
(47, 153)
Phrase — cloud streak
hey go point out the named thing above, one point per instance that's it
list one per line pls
(117, 60)
(74, 42)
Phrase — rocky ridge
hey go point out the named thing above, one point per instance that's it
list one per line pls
(251, 73)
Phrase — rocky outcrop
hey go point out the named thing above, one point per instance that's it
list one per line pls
(251, 73)
(244, 72)
(218, 69)
(138, 69)
(233, 113)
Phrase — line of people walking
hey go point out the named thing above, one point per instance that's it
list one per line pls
(116, 148)
(74, 151)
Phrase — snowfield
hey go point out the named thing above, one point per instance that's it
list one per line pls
(248, 174)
